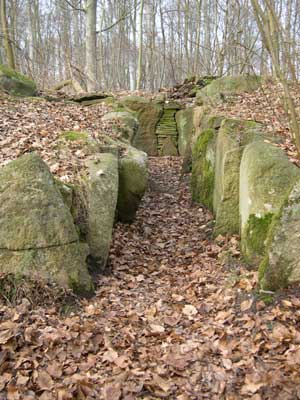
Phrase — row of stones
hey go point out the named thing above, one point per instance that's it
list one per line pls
(253, 190)
(59, 232)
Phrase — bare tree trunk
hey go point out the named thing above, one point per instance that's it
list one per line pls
(91, 61)
(6, 37)
(140, 63)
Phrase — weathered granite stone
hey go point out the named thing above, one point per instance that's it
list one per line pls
(101, 189)
(37, 233)
(133, 180)
(148, 114)
(281, 265)
(185, 128)
(203, 168)
(232, 138)
(266, 175)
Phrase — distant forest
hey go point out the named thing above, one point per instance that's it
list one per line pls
(147, 44)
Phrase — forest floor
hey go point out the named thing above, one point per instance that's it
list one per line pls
(176, 317)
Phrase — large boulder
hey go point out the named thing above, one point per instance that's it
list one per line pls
(101, 194)
(37, 233)
(185, 128)
(232, 138)
(266, 175)
(148, 114)
(15, 83)
(220, 88)
(133, 180)
(281, 265)
(203, 168)
(124, 122)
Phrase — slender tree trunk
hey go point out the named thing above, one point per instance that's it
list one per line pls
(198, 33)
(6, 37)
(163, 43)
(91, 61)
(140, 63)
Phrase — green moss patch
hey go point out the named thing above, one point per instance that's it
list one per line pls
(203, 172)
(282, 259)
(74, 136)
(14, 74)
(16, 83)
(256, 234)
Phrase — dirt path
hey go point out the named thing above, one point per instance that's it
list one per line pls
(168, 321)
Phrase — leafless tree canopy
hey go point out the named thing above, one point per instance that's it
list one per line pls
(128, 44)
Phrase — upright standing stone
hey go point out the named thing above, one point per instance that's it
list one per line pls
(203, 168)
(133, 179)
(266, 175)
(281, 265)
(148, 114)
(185, 128)
(101, 187)
(232, 138)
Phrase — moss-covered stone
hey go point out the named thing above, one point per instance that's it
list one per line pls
(101, 190)
(199, 113)
(266, 175)
(15, 83)
(133, 179)
(281, 264)
(32, 211)
(232, 138)
(65, 265)
(220, 88)
(185, 128)
(74, 136)
(256, 232)
(37, 232)
(203, 168)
